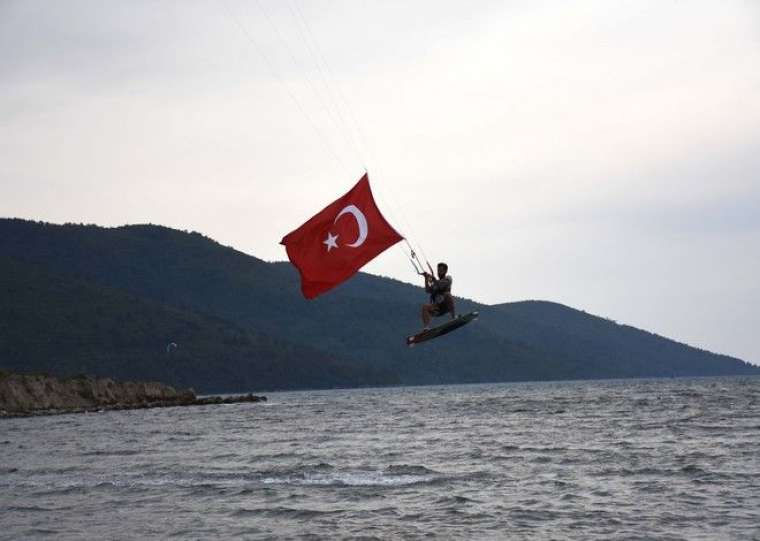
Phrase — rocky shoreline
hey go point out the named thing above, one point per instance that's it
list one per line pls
(23, 395)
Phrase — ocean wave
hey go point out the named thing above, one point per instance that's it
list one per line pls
(27, 509)
(406, 469)
(545, 449)
(319, 474)
(396, 476)
(284, 512)
(455, 500)
(117, 452)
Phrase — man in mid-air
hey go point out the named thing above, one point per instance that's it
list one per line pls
(441, 301)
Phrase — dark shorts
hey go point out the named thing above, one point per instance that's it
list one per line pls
(440, 308)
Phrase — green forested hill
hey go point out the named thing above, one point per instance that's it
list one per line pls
(362, 322)
(61, 325)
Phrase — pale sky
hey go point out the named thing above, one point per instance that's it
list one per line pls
(602, 154)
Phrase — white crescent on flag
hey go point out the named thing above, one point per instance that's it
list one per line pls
(361, 221)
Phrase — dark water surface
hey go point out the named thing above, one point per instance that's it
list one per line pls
(667, 459)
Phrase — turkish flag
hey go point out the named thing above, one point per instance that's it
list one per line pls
(339, 240)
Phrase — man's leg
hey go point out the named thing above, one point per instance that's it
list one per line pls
(449, 300)
(426, 315)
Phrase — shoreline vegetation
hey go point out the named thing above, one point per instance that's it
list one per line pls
(26, 395)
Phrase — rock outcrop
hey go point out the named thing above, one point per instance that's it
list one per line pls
(22, 395)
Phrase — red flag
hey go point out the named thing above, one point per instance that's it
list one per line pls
(339, 240)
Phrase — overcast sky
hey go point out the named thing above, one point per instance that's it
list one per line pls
(602, 154)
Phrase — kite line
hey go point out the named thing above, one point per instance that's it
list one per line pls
(334, 104)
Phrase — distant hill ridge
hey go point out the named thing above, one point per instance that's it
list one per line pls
(242, 324)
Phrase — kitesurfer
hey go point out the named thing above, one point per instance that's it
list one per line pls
(441, 301)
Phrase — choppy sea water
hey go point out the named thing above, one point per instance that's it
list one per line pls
(654, 459)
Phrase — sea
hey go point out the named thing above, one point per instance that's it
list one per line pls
(625, 459)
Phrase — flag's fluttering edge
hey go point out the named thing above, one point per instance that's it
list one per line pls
(339, 240)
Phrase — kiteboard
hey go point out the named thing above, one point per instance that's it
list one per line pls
(440, 330)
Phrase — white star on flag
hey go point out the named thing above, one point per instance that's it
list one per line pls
(330, 241)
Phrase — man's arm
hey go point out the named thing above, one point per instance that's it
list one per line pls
(429, 281)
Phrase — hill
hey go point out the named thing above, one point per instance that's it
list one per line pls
(363, 322)
(66, 326)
